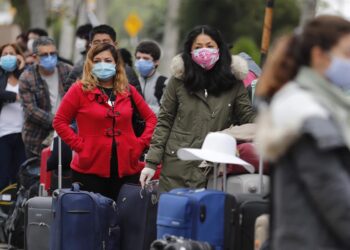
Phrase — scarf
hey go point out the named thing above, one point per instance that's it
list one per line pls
(308, 95)
(329, 96)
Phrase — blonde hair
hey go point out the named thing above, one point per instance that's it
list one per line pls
(90, 81)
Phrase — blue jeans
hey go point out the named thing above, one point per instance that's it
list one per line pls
(12, 155)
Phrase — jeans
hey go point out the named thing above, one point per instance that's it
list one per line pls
(12, 155)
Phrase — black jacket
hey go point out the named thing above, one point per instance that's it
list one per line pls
(6, 96)
(311, 191)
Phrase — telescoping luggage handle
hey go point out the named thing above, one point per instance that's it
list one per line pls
(42, 191)
(224, 175)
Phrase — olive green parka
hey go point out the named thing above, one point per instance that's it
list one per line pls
(186, 118)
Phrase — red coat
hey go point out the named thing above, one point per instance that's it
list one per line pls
(93, 142)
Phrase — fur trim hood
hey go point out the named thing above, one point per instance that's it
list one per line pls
(239, 67)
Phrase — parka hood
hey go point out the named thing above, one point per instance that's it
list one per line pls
(239, 67)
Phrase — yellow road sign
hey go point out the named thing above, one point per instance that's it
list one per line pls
(133, 24)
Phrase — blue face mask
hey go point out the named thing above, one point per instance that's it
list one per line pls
(144, 67)
(104, 71)
(339, 73)
(48, 62)
(8, 63)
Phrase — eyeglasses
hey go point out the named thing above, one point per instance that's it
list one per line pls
(48, 54)
(96, 42)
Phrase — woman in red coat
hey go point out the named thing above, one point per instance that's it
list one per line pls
(106, 149)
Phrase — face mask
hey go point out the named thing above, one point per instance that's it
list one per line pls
(8, 63)
(80, 44)
(339, 73)
(30, 45)
(104, 71)
(48, 62)
(144, 67)
(205, 57)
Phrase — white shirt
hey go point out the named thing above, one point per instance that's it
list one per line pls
(11, 115)
(52, 83)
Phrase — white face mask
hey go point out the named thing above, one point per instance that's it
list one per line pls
(30, 45)
(80, 44)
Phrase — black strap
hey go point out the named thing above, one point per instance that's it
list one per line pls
(159, 87)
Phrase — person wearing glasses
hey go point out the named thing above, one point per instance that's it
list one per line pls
(106, 148)
(41, 90)
(104, 34)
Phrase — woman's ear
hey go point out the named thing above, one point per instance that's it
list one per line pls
(319, 59)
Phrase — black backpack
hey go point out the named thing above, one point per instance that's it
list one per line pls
(28, 187)
(158, 93)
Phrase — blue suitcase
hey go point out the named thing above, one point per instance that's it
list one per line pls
(201, 215)
(83, 221)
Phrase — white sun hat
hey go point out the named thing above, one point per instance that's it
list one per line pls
(218, 148)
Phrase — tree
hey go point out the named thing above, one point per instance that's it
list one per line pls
(171, 35)
(238, 18)
(38, 13)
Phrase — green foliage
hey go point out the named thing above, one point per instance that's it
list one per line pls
(22, 17)
(247, 45)
(238, 18)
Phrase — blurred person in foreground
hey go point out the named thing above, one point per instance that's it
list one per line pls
(12, 152)
(304, 127)
(205, 94)
(107, 150)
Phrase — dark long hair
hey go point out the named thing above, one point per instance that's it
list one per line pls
(293, 51)
(217, 80)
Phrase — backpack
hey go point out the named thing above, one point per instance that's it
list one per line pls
(28, 187)
(160, 84)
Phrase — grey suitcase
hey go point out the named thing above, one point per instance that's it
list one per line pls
(38, 218)
(245, 183)
(38, 215)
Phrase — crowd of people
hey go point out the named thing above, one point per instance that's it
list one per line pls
(303, 123)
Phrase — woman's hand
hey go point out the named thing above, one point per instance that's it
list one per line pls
(21, 62)
(146, 175)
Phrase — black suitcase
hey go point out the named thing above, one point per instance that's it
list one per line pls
(137, 216)
(248, 208)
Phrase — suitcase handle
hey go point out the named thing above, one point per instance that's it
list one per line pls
(75, 187)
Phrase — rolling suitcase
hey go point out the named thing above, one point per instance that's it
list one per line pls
(201, 215)
(246, 183)
(137, 215)
(38, 219)
(198, 214)
(38, 211)
(83, 221)
(248, 208)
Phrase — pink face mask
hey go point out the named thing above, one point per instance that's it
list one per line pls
(205, 57)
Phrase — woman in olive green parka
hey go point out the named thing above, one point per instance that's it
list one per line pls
(204, 94)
